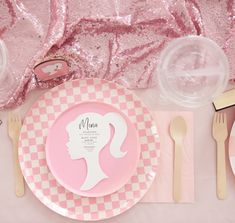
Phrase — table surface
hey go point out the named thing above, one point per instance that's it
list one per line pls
(207, 208)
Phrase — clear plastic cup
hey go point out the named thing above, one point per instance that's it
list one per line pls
(3, 61)
(192, 71)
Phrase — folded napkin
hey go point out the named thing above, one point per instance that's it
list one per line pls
(161, 190)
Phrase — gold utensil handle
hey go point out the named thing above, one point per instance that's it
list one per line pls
(221, 171)
(177, 173)
(19, 179)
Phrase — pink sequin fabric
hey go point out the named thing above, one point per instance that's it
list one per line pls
(117, 40)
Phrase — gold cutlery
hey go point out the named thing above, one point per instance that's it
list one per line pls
(178, 131)
(14, 126)
(220, 134)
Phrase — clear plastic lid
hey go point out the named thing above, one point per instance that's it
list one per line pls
(192, 71)
(3, 60)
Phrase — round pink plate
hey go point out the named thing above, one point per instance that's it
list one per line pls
(72, 173)
(39, 122)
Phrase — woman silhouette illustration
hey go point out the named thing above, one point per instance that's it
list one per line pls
(88, 135)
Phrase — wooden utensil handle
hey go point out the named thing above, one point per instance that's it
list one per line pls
(221, 171)
(19, 179)
(177, 173)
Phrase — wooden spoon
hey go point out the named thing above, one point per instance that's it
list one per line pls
(178, 131)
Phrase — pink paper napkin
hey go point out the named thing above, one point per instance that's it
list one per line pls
(161, 190)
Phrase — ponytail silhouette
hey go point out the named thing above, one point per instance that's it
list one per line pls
(94, 171)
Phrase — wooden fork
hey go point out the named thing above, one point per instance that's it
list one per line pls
(14, 126)
(220, 134)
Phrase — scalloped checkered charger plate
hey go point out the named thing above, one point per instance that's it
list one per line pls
(33, 136)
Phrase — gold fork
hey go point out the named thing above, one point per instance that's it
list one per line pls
(220, 134)
(14, 126)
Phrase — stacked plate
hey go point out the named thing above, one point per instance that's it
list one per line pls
(89, 149)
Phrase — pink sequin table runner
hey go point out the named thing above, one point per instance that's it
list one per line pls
(116, 40)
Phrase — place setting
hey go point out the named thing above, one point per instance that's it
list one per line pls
(113, 123)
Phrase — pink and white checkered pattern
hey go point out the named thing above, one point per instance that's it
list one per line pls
(32, 152)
